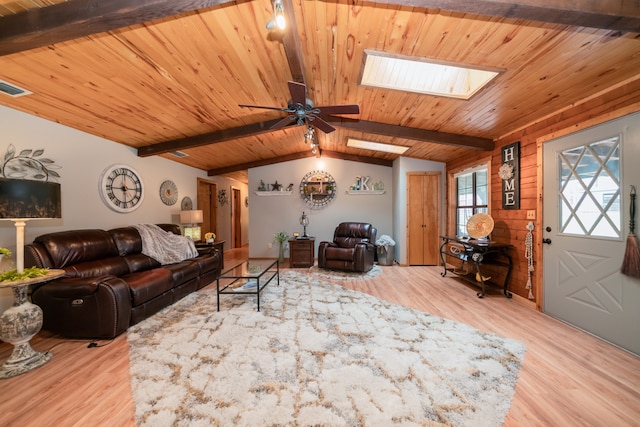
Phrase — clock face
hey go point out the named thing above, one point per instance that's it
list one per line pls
(168, 193)
(121, 188)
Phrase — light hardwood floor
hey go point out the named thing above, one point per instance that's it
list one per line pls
(568, 377)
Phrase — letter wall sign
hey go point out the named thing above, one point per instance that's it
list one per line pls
(510, 174)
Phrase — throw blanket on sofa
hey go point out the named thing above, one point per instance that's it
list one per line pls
(164, 246)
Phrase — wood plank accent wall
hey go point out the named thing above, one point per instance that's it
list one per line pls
(510, 225)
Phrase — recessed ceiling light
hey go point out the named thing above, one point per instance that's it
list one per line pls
(376, 146)
(426, 76)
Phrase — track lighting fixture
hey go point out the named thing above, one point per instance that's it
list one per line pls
(278, 16)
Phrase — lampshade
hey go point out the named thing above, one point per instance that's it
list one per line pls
(26, 199)
(22, 200)
(191, 217)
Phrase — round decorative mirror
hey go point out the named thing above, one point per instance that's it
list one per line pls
(317, 189)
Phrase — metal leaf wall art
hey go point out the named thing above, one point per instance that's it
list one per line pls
(28, 164)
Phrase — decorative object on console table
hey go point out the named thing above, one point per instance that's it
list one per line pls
(480, 225)
(190, 220)
(20, 201)
(209, 237)
(509, 173)
(302, 252)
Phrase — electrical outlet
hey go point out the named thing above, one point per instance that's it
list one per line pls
(269, 245)
(531, 214)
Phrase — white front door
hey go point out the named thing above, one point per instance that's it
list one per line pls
(587, 181)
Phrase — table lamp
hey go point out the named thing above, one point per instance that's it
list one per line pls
(190, 220)
(20, 201)
(304, 221)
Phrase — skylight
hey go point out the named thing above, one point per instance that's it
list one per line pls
(376, 146)
(421, 75)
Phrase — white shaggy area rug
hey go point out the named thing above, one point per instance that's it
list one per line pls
(316, 355)
(345, 275)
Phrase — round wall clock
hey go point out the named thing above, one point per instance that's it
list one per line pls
(121, 188)
(168, 193)
(186, 204)
(317, 189)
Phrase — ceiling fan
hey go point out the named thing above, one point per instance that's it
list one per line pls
(302, 111)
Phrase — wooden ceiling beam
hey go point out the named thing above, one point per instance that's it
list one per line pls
(207, 138)
(297, 156)
(619, 15)
(358, 125)
(73, 19)
(415, 134)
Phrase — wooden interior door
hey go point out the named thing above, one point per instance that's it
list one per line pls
(423, 222)
(207, 192)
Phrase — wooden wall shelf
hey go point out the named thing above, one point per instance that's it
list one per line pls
(365, 192)
(273, 193)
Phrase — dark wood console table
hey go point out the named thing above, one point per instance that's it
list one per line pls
(476, 253)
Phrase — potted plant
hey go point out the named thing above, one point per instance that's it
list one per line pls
(3, 252)
(281, 237)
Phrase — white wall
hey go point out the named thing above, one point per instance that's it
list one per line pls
(401, 167)
(269, 215)
(82, 157)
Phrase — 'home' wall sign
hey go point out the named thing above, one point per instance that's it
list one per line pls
(510, 174)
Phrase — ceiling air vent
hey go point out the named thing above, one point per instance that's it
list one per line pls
(178, 154)
(12, 90)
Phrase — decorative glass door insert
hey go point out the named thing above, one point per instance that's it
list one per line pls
(589, 196)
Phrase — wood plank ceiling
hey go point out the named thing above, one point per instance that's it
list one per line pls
(165, 75)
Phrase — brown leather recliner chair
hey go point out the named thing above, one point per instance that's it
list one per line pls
(352, 249)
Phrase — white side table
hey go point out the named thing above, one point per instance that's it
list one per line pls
(20, 323)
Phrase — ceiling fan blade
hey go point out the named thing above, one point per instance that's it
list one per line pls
(340, 109)
(298, 93)
(321, 124)
(265, 108)
(282, 123)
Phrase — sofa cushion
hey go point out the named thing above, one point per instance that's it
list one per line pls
(127, 240)
(140, 262)
(183, 271)
(146, 285)
(343, 254)
(115, 266)
(76, 246)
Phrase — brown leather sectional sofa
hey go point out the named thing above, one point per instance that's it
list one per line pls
(109, 283)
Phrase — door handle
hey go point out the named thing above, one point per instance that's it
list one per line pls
(547, 241)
